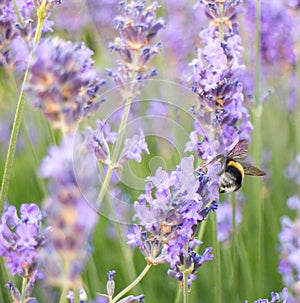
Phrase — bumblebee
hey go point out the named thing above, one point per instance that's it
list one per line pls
(234, 168)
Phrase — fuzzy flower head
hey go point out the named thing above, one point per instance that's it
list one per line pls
(64, 82)
(169, 211)
(137, 26)
(21, 237)
(17, 30)
(289, 265)
(69, 215)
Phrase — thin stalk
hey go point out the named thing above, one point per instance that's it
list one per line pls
(76, 295)
(117, 148)
(178, 295)
(19, 112)
(17, 12)
(185, 287)
(14, 136)
(257, 152)
(23, 292)
(133, 284)
(217, 256)
(234, 249)
(65, 286)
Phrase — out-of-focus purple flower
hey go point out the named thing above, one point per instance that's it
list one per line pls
(133, 148)
(293, 170)
(289, 265)
(180, 22)
(72, 16)
(20, 239)
(293, 4)
(277, 43)
(224, 219)
(102, 13)
(71, 217)
(64, 82)
(137, 26)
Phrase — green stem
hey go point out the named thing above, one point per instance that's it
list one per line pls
(63, 297)
(185, 287)
(133, 284)
(19, 114)
(257, 151)
(217, 268)
(65, 286)
(23, 292)
(76, 295)
(17, 12)
(234, 249)
(116, 151)
(178, 295)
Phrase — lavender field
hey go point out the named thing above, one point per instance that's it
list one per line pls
(150, 151)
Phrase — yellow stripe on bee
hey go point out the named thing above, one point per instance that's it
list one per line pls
(238, 166)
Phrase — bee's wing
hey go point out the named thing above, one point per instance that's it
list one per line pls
(251, 170)
(239, 151)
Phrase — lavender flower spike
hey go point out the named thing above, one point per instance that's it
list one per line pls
(169, 212)
(69, 214)
(63, 82)
(137, 28)
(20, 240)
(221, 116)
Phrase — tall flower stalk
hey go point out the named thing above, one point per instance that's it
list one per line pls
(43, 8)
(222, 119)
(137, 26)
(42, 12)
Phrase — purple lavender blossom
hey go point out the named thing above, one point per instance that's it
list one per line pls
(64, 82)
(193, 261)
(97, 141)
(289, 265)
(169, 212)
(71, 217)
(137, 26)
(21, 237)
(17, 30)
(133, 148)
(221, 117)
(274, 298)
